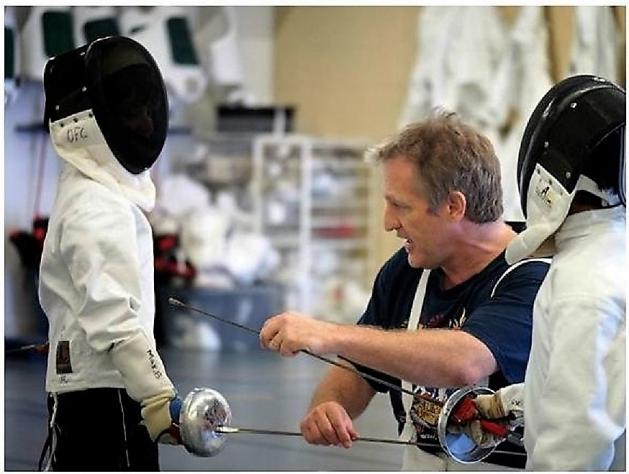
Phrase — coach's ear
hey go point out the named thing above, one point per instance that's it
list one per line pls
(455, 206)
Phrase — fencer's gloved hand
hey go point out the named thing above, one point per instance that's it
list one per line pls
(144, 376)
(467, 418)
(490, 406)
(161, 417)
(477, 431)
(506, 402)
(474, 416)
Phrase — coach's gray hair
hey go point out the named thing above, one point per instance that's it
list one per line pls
(450, 156)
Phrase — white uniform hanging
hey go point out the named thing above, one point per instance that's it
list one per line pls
(458, 52)
(594, 42)
(522, 79)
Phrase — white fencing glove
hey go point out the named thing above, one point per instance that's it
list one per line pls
(505, 402)
(476, 432)
(161, 418)
(473, 416)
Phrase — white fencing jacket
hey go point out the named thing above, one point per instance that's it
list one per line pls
(96, 274)
(574, 389)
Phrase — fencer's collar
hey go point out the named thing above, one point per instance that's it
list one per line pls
(547, 205)
(79, 141)
(587, 222)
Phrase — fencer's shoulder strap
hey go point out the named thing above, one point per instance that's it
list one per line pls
(418, 301)
(513, 267)
(413, 321)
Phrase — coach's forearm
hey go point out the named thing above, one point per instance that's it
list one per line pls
(433, 357)
(349, 390)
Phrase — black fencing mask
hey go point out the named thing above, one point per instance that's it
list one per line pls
(573, 142)
(117, 81)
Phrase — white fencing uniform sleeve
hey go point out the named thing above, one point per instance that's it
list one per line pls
(145, 377)
(99, 246)
(583, 394)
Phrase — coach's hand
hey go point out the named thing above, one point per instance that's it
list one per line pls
(329, 424)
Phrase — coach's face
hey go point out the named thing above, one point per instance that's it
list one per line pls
(407, 212)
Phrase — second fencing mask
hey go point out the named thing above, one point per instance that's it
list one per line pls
(108, 95)
(574, 141)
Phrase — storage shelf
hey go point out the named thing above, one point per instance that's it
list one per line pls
(332, 215)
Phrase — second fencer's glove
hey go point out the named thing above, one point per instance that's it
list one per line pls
(161, 418)
(466, 418)
(477, 431)
(474, 416)
(506, 402)
(490, 406)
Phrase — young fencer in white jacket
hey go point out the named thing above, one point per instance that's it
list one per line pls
(571, 172)
(110, 398)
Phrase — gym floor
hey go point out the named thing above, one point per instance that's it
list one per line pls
(264, 391)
